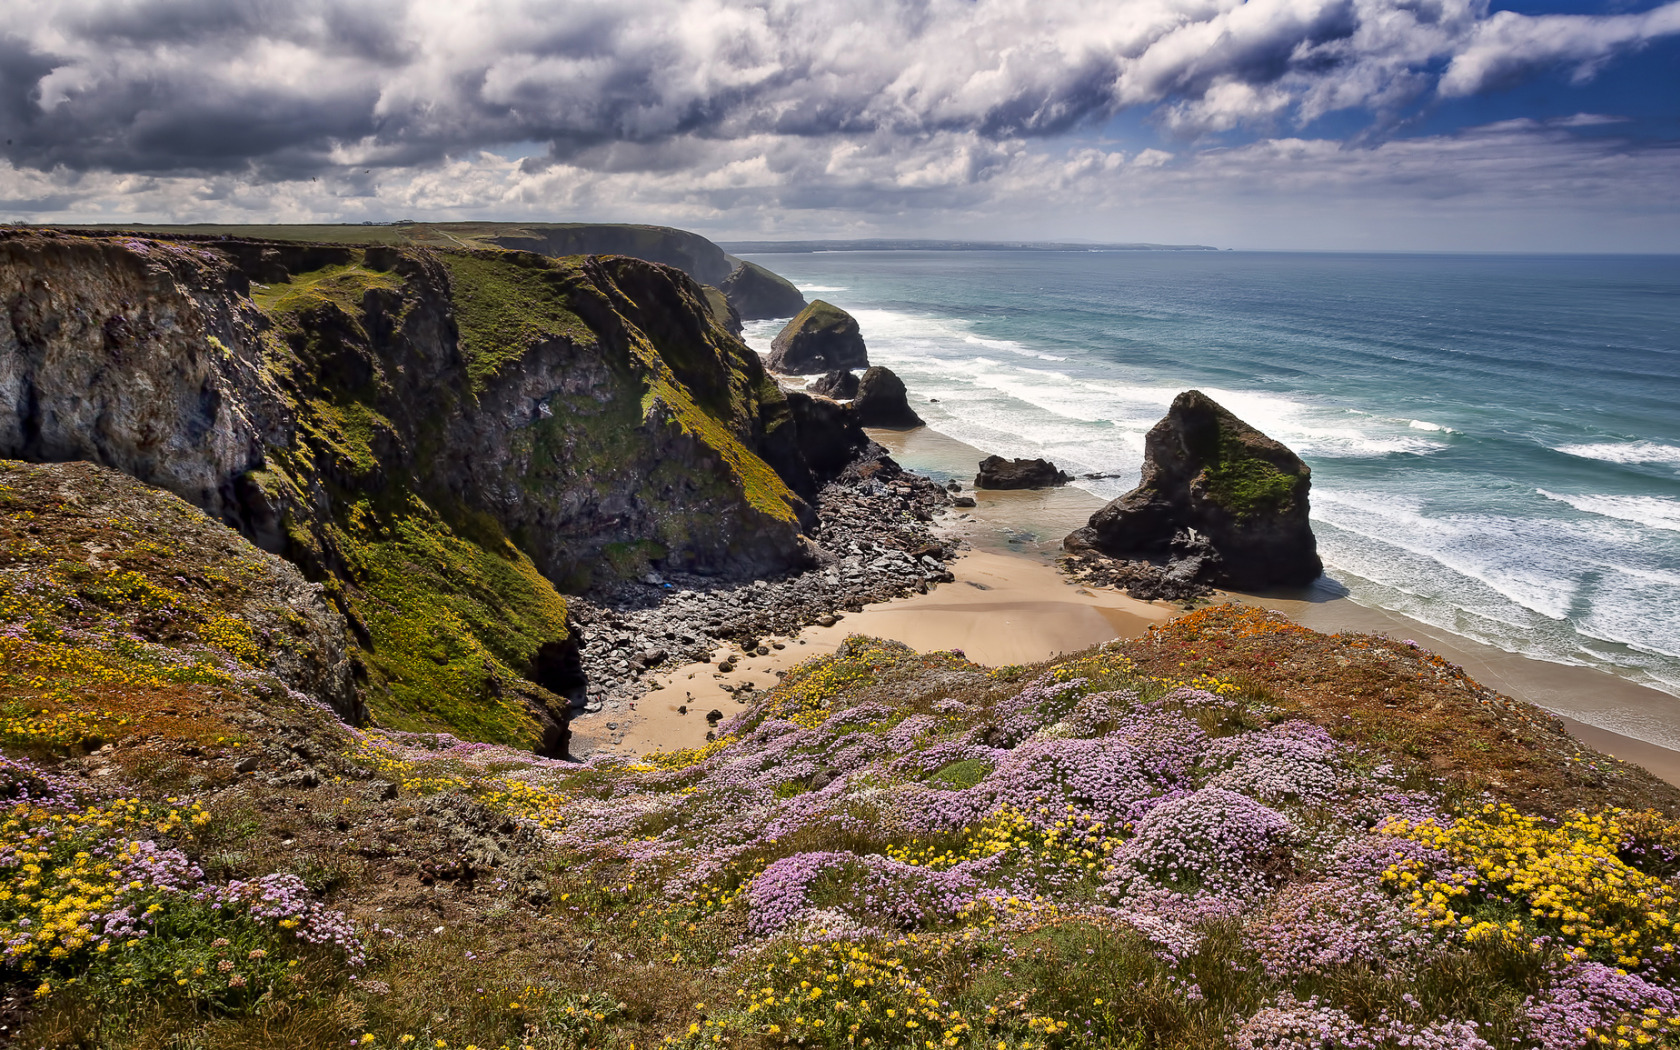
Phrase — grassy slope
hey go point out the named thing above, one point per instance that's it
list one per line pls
(452, 611)
(653, 910)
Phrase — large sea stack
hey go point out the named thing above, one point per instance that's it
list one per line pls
(1207, 473)
(757, 294)
(822, 338)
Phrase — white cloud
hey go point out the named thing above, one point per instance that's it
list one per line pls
(1507, 44)
(294, 87)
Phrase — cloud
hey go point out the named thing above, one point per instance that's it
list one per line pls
(1507, 45)
(1521, 185)
(280, 89)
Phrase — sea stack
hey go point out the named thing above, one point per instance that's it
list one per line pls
(822, 338)
(881, 401)
(1207, 474)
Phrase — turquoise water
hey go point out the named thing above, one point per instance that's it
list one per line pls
(1495, 440)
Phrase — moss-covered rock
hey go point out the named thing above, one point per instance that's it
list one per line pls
(758, 294)
(1208, 471)
(444, 438)
(821, 338)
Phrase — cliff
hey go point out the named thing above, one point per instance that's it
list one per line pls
(758, 294)
(443, 438)
(688, 252)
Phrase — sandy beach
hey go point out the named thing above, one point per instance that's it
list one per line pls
(1010, 604)
(1002, 609)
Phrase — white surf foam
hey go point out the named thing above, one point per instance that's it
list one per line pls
(1653, 512)
(1625, 452)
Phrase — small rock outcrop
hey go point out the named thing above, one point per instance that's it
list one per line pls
(1217, 492)
(758, 294)
(841, 386)
(881, 401)
(999, 473)
(822, 338)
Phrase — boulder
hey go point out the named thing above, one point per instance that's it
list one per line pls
(757, 294)
(841, 386)
(999, 473)
(821, 338)
(1223, 494)
(881, 401)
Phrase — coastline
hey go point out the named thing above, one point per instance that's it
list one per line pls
(1010, 604)
(1624, 719)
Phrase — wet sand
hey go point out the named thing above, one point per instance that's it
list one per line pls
(1010, 604)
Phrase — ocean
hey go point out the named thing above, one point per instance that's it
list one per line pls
(1495, 439)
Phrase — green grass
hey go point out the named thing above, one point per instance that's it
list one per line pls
(1247, 485)
(454, 623)
(343, 285)
(506, 303)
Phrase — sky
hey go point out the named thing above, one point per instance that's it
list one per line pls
(1512, 125)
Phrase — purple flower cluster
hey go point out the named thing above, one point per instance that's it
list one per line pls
(877, 889)
(1043, 702)
(1312, 927)
(1294, 1025)
(24, 783)
(284, 900)
(1213, 842)
(1586, 1000)
(1291, 762)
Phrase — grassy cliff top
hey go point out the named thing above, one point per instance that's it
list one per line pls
(823, 316)
(426, 234)
(690, 252)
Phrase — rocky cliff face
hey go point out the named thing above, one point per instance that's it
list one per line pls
(440, 437)
(1243, 494)
(756, 293)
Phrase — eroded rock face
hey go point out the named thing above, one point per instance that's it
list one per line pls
(758, 294)
(822, 338)
(447, 438)
(841, 386)
(881, 401)
(1227, 495)
(999, 473)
